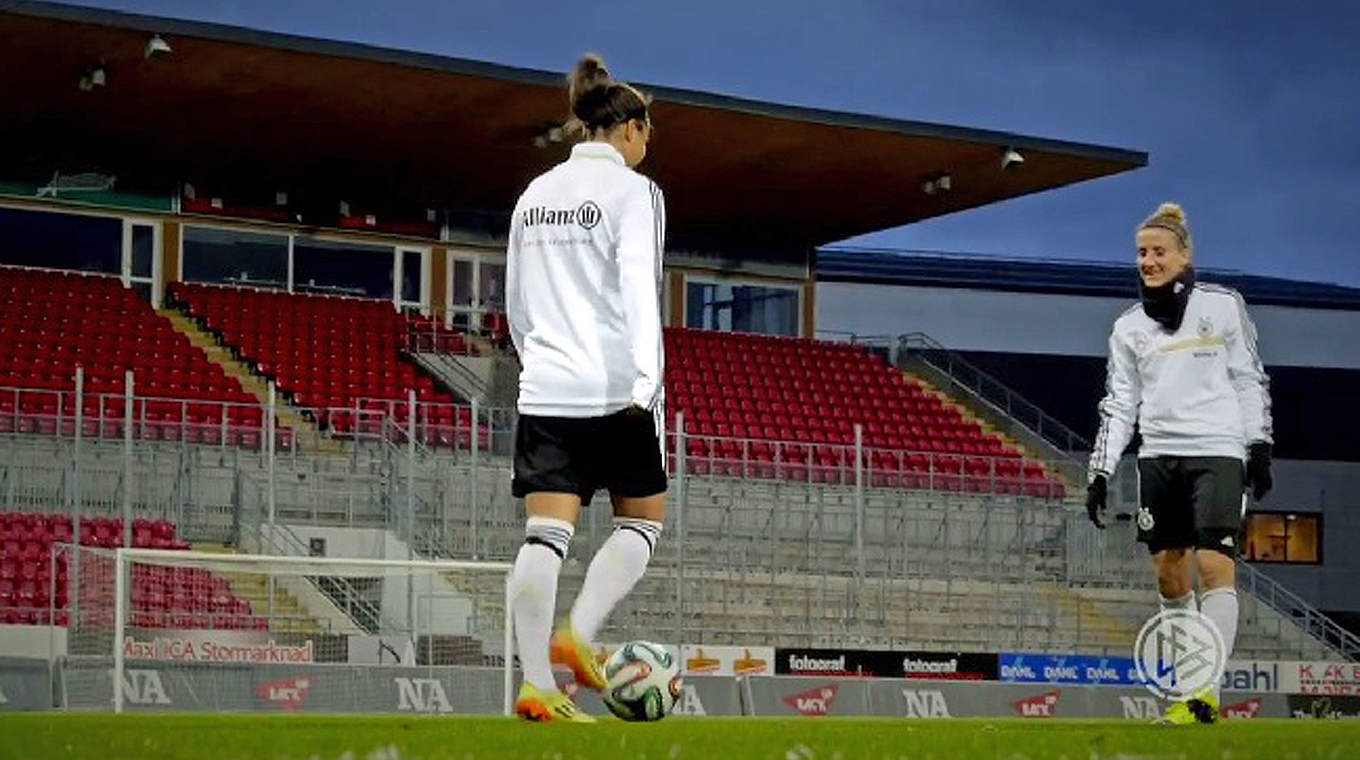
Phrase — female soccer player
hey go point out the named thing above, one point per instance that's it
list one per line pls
(1183, 365)
(583, 285)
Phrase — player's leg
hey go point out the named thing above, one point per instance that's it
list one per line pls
(1165, 523)
(635, 474)
(1175, 578)
(1218, 600)
(533, 581)
(1175, 591)
(533, 595)
(1217, 486)
(545, 478)
(620, 562)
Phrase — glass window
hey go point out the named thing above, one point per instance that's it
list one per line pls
(412, 271)
(238, 256)
(1283, 537)
(492, 286)
(347, 269)
(462, 283)
(143, 253)
(61, 241)
(742, 308)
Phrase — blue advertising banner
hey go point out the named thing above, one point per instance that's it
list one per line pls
(1020, 667)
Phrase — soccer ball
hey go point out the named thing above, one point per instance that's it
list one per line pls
(643, 681)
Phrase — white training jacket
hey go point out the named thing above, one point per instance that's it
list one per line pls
(583, 287)
(1198, 392)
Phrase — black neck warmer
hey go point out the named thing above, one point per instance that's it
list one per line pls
(1166, 303)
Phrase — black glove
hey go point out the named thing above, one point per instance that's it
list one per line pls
(1258, 469)
(1095, 501)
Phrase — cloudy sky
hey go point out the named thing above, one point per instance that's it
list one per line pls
(1250, 111)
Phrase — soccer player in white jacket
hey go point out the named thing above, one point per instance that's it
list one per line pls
(1184, 367)
(583, 288)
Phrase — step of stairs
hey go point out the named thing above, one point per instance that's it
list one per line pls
(968, 414)
(308, 436)
(288, 614)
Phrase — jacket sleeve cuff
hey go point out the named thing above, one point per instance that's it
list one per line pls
(644, 393)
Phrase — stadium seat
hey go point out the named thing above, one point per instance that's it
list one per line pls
(51, 321)
(737, 391)
(160, 597)
(335, 356)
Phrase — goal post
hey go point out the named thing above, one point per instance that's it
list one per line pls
(153, 629)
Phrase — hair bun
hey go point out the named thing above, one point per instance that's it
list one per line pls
(590, 72)
(598, 101)
(1171, 211)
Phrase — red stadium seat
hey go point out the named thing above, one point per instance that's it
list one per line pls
(328, 354)
(776, 389)
(106, 328)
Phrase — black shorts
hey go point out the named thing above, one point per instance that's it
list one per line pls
(1190, 502)
(620, 453)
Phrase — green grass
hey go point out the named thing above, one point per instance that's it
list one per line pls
(285, 737)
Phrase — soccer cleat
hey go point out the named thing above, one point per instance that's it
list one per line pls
(1204, 706)
(567, 648)
(1178, 714)
(543, 706)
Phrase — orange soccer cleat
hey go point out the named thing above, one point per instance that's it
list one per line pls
(567, 648)
(543, 706)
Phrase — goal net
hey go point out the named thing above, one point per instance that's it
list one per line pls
(158, 630)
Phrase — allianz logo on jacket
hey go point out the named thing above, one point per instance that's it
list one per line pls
(587, 215)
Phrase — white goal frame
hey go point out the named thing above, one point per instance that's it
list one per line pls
(125, 557)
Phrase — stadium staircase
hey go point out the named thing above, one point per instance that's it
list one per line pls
(988, 399)
(289, 419)
(283, 608)
(993, 423)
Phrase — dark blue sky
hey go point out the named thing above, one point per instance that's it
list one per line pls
(1250, 111)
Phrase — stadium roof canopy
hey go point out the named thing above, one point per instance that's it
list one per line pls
(257, 110)
(1082, 278)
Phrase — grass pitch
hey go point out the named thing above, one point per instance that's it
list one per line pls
(292, 737)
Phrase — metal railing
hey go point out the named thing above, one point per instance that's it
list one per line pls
(976, 381)
(856, 464)
(362, 611)
(794, 542)
(994, 392)
(439, 340)
(1292, 607)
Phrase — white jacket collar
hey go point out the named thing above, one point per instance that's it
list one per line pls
(597, 150)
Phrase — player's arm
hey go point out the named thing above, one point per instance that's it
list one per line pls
(1118, 414)
(642, 230)
(1252, 384)
(1249, 377)
(514, 303)
(1119, 409)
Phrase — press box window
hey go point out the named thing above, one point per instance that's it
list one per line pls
(1284, 537)
(743, 308)
(233, 256)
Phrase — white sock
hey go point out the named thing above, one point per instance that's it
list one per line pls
(1186, 602)
(533, 594)
(615, 569)
(1220, 605)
